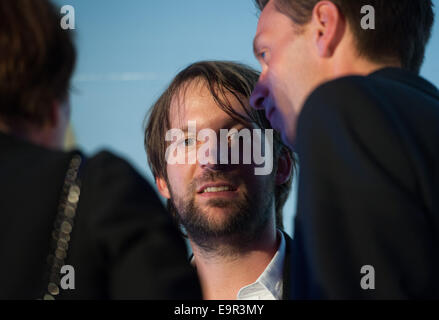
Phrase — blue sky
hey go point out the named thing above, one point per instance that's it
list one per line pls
(130, 50)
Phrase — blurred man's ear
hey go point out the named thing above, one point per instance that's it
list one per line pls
(57, 124)
(162, 186)
(54, 114)
(284, 167)
(328, 26)
(59, 113)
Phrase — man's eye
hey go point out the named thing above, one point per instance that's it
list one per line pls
(232, 137)
(263, 55)
(188, 142)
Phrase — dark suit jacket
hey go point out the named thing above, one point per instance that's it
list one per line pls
(369, 187)
(288, 263)
(123, 243)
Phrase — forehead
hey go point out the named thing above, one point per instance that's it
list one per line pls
(194, 102)
(272, 23)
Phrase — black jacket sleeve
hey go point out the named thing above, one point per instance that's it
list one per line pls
(357, 197)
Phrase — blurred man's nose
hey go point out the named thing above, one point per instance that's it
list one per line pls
(210, 157)
(259, 94)
(217, 158)
(214, 166)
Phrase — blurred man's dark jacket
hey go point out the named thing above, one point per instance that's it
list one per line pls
(123, 244)
(369, 188)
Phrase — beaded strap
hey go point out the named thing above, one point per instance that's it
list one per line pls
(63, 227)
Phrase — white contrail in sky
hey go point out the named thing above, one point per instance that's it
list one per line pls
(116, 76)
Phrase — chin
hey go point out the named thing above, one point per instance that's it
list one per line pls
(219, 213)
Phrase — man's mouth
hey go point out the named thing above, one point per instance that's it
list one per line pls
(212, 188)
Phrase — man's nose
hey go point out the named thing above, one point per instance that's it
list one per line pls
(218, 157)
(258, 96)
(211, 158)
(216, 165)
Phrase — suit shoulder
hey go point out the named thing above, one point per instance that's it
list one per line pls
(112, 177)
(105, 159)
(108, 166)
(349, 101)
(341, 94)
(112, 187)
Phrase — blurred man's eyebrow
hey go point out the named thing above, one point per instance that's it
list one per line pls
(227, 124)
(232, 122)
(184, 128)
(255, 44)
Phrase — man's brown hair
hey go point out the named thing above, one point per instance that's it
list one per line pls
(402, 27)
(37, 58)
(220, 77)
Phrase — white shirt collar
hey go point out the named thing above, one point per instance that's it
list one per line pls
(269, 285)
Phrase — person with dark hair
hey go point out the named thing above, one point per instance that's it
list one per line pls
(71, 227)
(340, 82)
(231, 214)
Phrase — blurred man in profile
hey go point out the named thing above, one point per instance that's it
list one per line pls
(232, 216)
(340, 81)
(96, 216)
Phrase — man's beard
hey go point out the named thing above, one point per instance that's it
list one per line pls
(237, 229)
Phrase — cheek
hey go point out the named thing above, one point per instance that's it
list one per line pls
(178, 177)
(252, 181)
(280, 80)
(280, 91)
(258, 186)
(284, 119)
(285, 79)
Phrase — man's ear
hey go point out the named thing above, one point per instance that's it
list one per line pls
(162, 186)
(284, 167)
(54, 114)
(328, 28)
